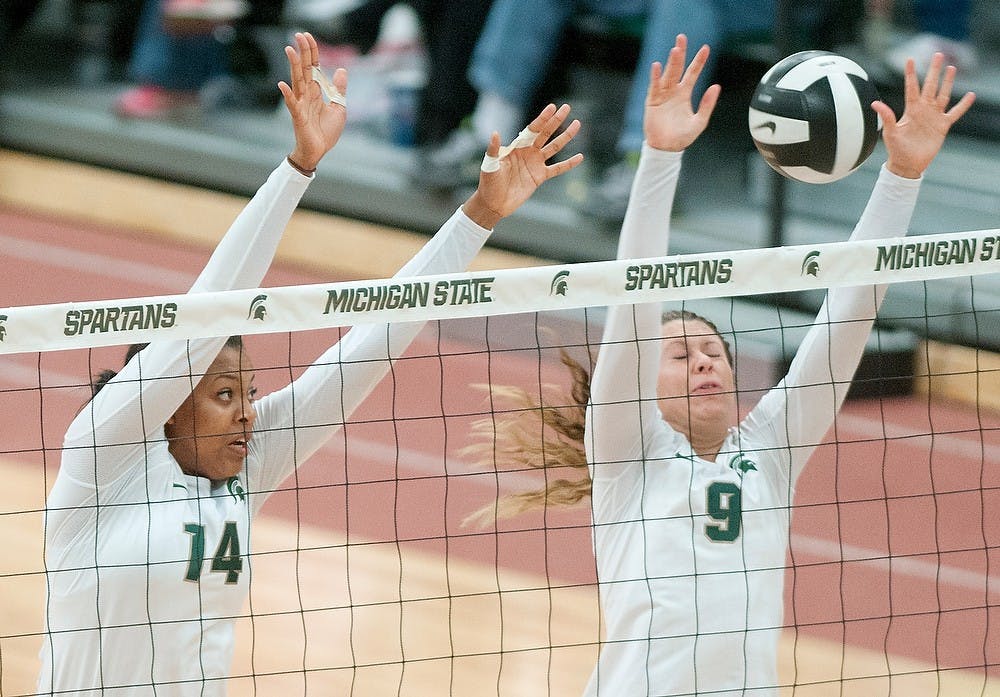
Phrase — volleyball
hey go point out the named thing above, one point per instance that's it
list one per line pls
(811, 116)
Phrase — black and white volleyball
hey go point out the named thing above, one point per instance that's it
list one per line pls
(811, 116)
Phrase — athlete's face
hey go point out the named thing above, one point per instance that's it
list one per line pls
(696, 387)
(209, 433)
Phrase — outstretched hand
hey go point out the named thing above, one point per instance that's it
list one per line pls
(915, 139)
(523, 170)
(317, 125)
(670, 122)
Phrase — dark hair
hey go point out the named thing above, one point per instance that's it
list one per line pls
(102, 378)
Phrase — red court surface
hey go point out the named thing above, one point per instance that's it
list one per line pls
(896, 533)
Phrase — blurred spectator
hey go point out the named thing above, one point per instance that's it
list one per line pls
(201, 16)
(169, 68)
(199, 53)
(519, 43)
(941, 26)
(359, 26)
(450, 29)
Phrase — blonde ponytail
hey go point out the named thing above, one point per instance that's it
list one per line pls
(535, 434)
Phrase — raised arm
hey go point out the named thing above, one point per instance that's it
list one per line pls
(295, 421)
(244, 254)
(820, 374)
(623, 390)
(139, 400)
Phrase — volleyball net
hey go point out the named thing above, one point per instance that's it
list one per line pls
(367, 577)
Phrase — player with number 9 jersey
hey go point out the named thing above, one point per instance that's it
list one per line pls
(691, 504)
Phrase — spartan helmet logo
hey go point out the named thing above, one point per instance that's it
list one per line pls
(257, 308)
(559, 286)
(236, 489)
(810, 265)
(742, 464)
(3, 329)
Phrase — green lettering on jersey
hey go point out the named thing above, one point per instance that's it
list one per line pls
(197, 555)
(725, 505)
(227, 557)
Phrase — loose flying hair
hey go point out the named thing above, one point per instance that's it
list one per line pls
(545, 434)
(102, 378)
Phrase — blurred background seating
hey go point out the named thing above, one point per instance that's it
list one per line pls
(66, 104)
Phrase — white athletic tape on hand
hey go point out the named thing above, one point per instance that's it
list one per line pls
(524, 139)
(329, 89)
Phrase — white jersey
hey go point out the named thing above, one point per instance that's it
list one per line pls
(148, 567)
(691, 553)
